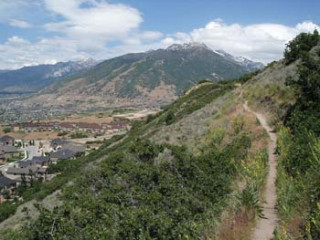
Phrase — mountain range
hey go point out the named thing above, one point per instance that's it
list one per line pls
(35, 78)
(228, 160)
(154, 77)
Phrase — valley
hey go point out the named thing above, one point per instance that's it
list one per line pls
(180, 142)
(143, 80)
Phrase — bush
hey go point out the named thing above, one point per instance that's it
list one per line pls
(300, 45)
(78, 135)
(6, 129)
(132, 194)
(64, 133)
(6, 210)
(299, 143)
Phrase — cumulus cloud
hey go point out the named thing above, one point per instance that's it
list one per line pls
(17, 52)
(103, 29)
(19, 23)
(96, 20)
(84, 28)
(149, 35)
(10, 9)
(260, 42)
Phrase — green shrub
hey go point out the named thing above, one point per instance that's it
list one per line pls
(300, 45)
(78, 135)
(6, 129)
(6, 210)
(249, 198)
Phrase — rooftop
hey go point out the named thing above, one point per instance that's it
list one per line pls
(6, 182)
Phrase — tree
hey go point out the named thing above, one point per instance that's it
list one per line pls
(6, 194)
(300, 45)
(305, 112)
(169, 118)
(6, 130)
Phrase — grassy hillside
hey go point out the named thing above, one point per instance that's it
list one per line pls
(197, 169)
(289, 91)
(144, 189)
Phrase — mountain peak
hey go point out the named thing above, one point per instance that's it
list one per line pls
(185, 46)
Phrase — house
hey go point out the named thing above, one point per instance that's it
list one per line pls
(28, 173)
(15, 127)
(58, 143)
(79, 150)
(40, 161)
(6, 140)
(66, 126)
(7, 186)
(62, 154)
(8, 152)
(90, 127)
(6, 183)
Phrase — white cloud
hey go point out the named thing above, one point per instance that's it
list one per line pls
(85, 28)
(260, 42)
(97, 21)
(19, 23)
(149, 35)
(17, 52)
(12, 9)
(102, 29)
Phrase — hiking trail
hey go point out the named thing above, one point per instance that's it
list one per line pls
(265, 227)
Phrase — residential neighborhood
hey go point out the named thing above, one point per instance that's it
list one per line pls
(69, 127)
(22, 163)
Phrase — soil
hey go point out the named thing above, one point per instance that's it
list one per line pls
(265, 226)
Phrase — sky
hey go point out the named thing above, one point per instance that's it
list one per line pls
(36, 32)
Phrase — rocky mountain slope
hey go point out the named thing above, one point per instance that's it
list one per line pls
(154, 77)
(35, 78)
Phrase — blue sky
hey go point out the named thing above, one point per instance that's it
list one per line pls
(190, 14)
(47, 31)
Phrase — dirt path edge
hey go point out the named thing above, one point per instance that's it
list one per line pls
(265, 227)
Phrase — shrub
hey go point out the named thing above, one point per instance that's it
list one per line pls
(6, 129)
(300, 45)
(78, 135)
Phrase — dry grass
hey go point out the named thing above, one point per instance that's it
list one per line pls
(32, 136)
(48, 135)
(86, 119)
(292, 226)
(237, 226)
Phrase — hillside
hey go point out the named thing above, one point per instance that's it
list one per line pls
(203, 167)
(152, 78)
(35, 78)
(289, 92)
(145, 187)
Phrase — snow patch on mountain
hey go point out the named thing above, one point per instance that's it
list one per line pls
(63, 69)
(247, 63)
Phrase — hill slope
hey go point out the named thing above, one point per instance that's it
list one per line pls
(289, 92)
(153, 77)
(198, 169)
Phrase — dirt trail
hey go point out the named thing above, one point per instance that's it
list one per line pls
(265, 227)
